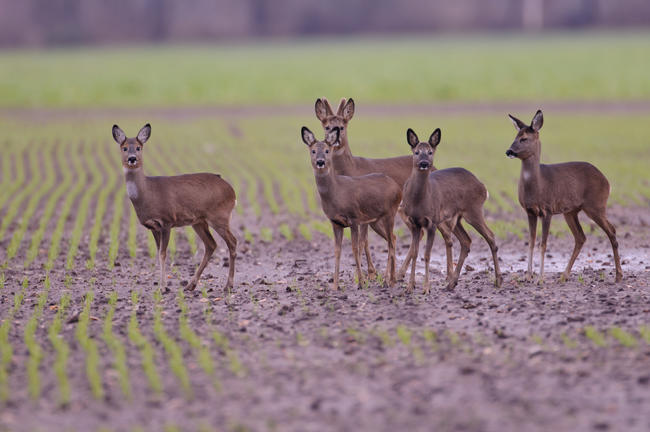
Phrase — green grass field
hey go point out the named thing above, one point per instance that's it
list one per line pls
(582, 66)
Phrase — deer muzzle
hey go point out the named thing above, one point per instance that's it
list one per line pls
(511, 154)
(132, 160)
(320, 163)
(423, 165)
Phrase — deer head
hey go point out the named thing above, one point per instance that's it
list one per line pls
(423, 151)
(526, 143)
(321, 151)
(131, 147)
(340, 120)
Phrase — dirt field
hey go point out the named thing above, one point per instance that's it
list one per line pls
(99, 347)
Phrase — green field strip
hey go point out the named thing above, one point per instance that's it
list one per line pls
(234, 363)
(147, 354)
(201, 350)
(109, 186)
(172, 350)
(90, 191)
(132, 240)
(89, 346)
(8, 158)
(35, 198)
(6, 350)
(61, 349)
(52, 202)
(25, 192)
(33, 347)
(20, 181)
(80, 181)
(116, 347)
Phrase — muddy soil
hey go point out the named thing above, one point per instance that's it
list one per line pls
(301, 357)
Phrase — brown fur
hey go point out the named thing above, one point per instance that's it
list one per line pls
(566, 188)
(344, 163)
(432, 197)
(354, 202)
(161, 203)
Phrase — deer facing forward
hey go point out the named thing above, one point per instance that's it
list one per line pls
(567, 188)
(354, 202)
(161, 203)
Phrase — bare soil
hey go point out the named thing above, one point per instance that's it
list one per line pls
(308, 358)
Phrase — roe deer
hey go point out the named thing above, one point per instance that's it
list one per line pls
(352, 202)
(431, 197)
(161, 203)
(567, 188)
(344, 163)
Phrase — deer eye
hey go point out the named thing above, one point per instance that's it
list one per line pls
(342, 127)
(430, 152)
(417, 152)
(524, 139)
(313, 152)
(327, 151)
(124, 148)
(137, 149)
(327, 128)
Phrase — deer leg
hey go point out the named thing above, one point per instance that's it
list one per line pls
(445, 230)
(223, 229)
(465, 242)
(203, 231)
(579, 237)
(338, 239)
(413, 252)
(356, 244)
(162, 254)
(379, 228)
(402, 270)
(532, 230)
(546, 225)
(364, 241)
(431, 232)
(601, 219)
(388, 224)
(478, 222)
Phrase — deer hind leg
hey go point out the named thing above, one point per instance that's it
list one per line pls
(384, 227)
(431, 232)
(532, 230)
(356, 245)
(579, 237)
(546, 225)
(364, 241)
(446, 229)
(203, 231)
(162, 254)
(465, 242)
(600, 218)
(477, 220)
(338, 239)
(222, 227)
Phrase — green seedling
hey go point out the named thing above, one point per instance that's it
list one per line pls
(117, 347)
(404, 335)
(568, 342)
(145, 348)
(62, 350)
(644, 331)
(90, 348)
(595, 336)
(623, 337)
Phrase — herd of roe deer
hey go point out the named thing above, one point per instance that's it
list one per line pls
(359, 192)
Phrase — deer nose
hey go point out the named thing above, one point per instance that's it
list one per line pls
(132, 159)
(510, 153)
(424, 165)
(320, 163)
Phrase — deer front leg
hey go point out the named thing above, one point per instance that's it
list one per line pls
(445, 231)
(431, 232)
(532, 230)
(203, 231)
(354, 234)
(413, 251)
(546, 224)
(162, 254)
(338, 239)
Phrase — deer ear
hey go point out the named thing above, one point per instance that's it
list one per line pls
(321, 109)
(144, 133)
(118, 134)
(348, 109)
(332, 136)
(434, 139)
(339, 110)
(538, 121)
(307, 136)
(412, 138)
(519, 125)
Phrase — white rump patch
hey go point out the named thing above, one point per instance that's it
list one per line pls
(131, 190)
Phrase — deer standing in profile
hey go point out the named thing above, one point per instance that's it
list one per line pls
(161, 203)
(344, 163)
(567, 188)
(353, 202)
(432, 197)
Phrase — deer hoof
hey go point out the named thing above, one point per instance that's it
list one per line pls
(530, 277)
(619, 277)
(498, 282)
(190, 286)
(452, 284)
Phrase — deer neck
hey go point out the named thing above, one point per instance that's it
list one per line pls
(343, 161)
(418, 189)
(325, 183)
(135, 184)
(531, 177)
